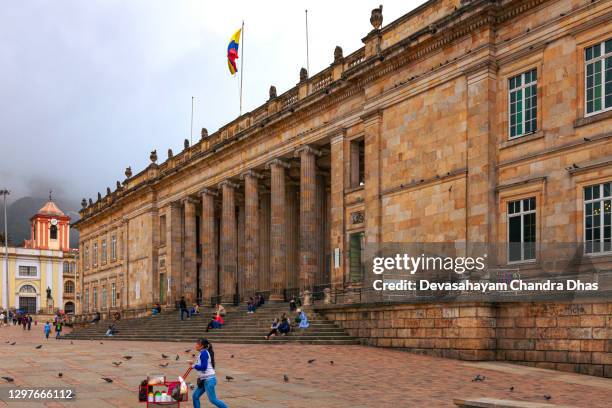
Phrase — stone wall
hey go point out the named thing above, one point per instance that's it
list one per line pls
(575, 337)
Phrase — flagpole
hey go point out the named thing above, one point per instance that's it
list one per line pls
(241, 64)
(191, 134)
(307, 59)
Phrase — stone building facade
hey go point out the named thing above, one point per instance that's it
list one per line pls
(447, 118)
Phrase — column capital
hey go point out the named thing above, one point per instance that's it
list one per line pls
(189, 200)
(337, 136)
(209, 191)
(228, 183)
(372, 115)
(308, 150)
(251, 173)
(277, 162)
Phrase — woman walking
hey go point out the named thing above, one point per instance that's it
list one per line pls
(207, 380)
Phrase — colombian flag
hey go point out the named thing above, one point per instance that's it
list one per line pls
(232, 52)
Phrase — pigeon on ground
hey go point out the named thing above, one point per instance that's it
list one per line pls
(164, 365)
(108, 380)
(13, 343)
(71, 342)
(229, 378)
(60, 375)
(8, 341)
(331, 362)
(101, 343)
(547, 397)
(8, 379)
(177, 357)
(127, 357)
(512, 388)
(192, 354)
(232, 356)
(187, 351)
(164, 356)
(38, 347)
(479, 378)
(311, 361)
(285, 377)
(117, 363)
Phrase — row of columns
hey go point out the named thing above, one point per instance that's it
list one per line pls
(254, 231)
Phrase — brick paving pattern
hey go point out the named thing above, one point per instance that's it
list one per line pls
(360, 376)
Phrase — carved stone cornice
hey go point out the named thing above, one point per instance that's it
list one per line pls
(189, 200)
(251, 173)
(277, 162)
(307, 150)
(374, 114)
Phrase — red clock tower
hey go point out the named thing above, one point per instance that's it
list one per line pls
(50, 229)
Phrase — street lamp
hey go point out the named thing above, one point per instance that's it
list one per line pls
(5, 305)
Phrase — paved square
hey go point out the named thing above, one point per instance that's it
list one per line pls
(359, 377)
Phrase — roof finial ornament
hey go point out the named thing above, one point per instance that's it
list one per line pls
(84, 203)
(128, 172)
(303, 74)
(153, 156)
(376, 18)
(204, 133)
(186, 144)
(338, 54)
(272, 92)
(50, 195)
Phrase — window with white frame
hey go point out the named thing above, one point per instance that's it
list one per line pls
(94, 255)
(113, 295)
(598, 77)
(27, 271)
(522, 230)
(523, 103)
(103, 252)
(66, 267)
(113, 248)
(597, 218)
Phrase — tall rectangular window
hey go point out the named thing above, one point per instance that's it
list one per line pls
(86, 257)
(103, 304)
(113, 249)
(356, 262)
(86, 302)
(113, 295)
(598, 77)
(95, 298)
(103, 251)
(357, 162)
(162, 230)
(94, 255)
(597, 218)
(523, 103)
(521, 230)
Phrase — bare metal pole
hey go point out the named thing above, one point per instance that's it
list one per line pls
(5, 302)
(191, 134)
(307, 59)
(241, 63)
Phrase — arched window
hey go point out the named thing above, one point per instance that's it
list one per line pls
(53, 232)
(69, 307)
(27, 289)
(69, 287)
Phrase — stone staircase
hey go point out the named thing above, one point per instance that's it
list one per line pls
(240, 328)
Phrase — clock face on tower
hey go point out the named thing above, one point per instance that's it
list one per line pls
(53, 221)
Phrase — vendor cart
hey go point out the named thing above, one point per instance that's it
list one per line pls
(164, 386)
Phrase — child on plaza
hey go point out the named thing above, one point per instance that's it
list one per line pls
(207, 380)
(58, 330)
(47, 330)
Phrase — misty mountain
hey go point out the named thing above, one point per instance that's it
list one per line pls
(19, 213)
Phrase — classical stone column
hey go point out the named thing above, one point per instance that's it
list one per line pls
(189, 288)
(337, 210)
(373, 216)
(229, 242)
(264, 242)
(251, 231)
(308, 216)
(208, 239)
(278, 245)
(174, 265)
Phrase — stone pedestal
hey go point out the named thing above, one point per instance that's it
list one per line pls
(306, 298)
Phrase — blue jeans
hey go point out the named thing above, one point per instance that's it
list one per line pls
(183, 311)
(209, 388)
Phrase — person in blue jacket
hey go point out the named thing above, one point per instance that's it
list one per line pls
(207, 380)
(47, 330)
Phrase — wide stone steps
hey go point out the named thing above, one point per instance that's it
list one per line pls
(240, 328)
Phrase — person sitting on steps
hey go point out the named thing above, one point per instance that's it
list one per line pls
(216, 322)
(284, 327)
(273, 328)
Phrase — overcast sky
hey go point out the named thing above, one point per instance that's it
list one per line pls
(90, 87)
